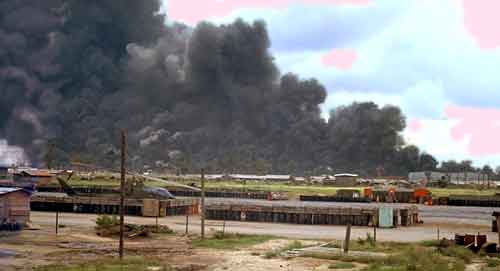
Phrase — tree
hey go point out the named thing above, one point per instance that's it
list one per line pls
(487, 170)
(428, 162)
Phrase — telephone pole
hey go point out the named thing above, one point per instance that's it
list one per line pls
(50, 154)
(122, 189)
(202, 203)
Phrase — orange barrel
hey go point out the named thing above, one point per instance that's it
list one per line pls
(368, 192)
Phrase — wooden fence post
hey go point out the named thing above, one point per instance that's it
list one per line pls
(202, 204)
(347, 238)
(57, 221)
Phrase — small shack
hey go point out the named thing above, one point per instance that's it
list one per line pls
(14, 205)
(346, 179)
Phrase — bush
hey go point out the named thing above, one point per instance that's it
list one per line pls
(293, 245)
(271, 254)
(106, 221)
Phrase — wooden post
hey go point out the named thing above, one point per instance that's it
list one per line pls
(375, 233)
(439, 238)
(224, 224)
(157, 226)
(347, 238)
(122, 190)
(157, 215)
(187, 221)
(57, 221)
(202, 215)
(498, 232)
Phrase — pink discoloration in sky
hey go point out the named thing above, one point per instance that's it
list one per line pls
(415, 126)
(193, 11)
(342, 59)
(480, 124)
(482, 20)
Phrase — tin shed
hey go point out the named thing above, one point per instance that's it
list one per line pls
(14, 205)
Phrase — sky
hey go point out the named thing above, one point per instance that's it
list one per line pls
(438, 60)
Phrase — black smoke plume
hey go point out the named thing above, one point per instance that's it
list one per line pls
(75, 73)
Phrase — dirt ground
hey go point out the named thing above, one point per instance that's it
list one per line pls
(427, 231)
(77, 240)
(76, 243)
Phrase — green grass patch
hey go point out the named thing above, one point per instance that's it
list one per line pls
(111, 264)
(341, 265)
(458, 252)
(493, 262)
(271, 254)
(423, 256)
(231, 241)
(473, 191)
(417, 259)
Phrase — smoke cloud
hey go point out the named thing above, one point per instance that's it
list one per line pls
(75, 73)
(11, 155)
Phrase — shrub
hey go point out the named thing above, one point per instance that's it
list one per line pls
(106, 222)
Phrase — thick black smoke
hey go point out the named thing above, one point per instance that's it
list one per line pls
(76, 72)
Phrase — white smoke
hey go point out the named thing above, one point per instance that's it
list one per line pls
(11, 155)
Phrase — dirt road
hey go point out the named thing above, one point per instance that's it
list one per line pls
(427, 231)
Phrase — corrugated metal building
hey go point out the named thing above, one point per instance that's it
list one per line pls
(346, 179)
(14, 205)
(452, 177)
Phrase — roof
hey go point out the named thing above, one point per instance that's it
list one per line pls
(279, 177)
(247, 177)
(7, 190)
(346, 175)
(36, 173)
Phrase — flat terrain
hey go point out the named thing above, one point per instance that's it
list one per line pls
(78, 244)
(294, 190)
(427, 231)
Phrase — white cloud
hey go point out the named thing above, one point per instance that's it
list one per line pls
(434, 137)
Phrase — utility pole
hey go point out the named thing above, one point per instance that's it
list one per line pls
(122, 189)
(347, 238)
(202, 204)
(50, 154)
(57, 220)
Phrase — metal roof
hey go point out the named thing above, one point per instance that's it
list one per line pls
(7, 190)
(37, 173)
(345, 175)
